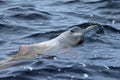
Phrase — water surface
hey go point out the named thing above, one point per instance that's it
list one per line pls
(28, 21)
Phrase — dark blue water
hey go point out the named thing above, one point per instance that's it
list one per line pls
(32, 21)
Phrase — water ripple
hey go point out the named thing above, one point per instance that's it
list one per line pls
(32, 21)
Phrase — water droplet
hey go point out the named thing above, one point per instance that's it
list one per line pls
(83, 64)
(72, 78)
(29, 68)
(85, 75)
(111, 50)
(91, 15)
(106, 67)
(59, 69)
(55, 58)
(113, 22)
(49, 77)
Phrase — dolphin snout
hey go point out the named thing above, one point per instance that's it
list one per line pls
(89, 28)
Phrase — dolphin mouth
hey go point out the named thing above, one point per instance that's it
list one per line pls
(80, 42)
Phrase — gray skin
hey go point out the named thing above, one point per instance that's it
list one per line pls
(69, 38)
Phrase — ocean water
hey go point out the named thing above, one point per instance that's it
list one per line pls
(33, 21)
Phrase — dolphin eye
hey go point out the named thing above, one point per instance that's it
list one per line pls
(72, 31)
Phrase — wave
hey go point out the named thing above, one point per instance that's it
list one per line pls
(58, 70)
(30, 16)
(27, 12)
(7, 27)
